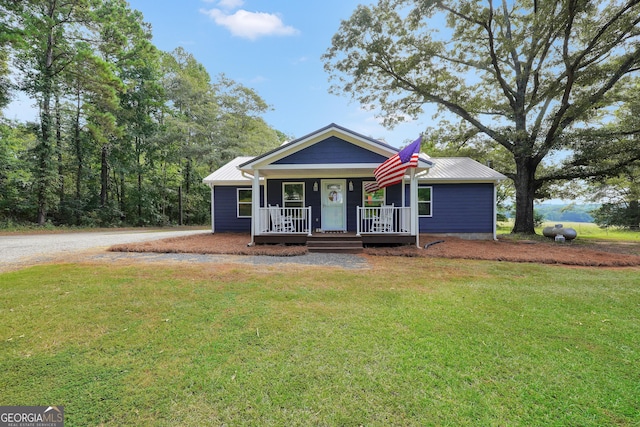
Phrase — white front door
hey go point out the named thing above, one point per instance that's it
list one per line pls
(334, 205)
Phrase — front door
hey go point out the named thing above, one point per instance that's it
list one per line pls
(334, 205)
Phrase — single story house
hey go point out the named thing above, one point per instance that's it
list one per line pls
(314, 185)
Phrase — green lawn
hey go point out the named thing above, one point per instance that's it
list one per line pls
(411, 342)
(585, 230)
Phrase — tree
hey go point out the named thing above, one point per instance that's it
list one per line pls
(16, 143)
(208, 124)
(127, 157)
(534, 77)
(5, 85)
(48, 28)
(244, 131)
(620, 197)
(9, 36)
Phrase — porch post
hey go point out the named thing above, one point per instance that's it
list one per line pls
(413, 200)
(255, 205)
(213, 211)
(495, 211)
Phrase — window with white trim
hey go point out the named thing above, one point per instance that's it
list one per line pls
(244, 202)
(374, 199)
(424, 200)
(293, 194)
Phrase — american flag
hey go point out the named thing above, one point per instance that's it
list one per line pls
(392, 170)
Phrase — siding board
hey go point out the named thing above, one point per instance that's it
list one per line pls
(226, 210)
(331, 150)
(460, 208)
(456, 208)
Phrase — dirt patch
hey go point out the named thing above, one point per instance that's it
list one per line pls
(606, 254)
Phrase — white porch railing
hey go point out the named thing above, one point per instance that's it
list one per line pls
(277, 220)
(383, 220)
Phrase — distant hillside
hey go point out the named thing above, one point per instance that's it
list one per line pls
(573, 213)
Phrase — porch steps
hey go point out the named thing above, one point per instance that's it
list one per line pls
(336, 243)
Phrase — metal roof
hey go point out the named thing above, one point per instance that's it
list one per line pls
(446, 169)
(229, 174)
(461, 169)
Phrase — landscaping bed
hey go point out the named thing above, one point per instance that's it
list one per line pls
(506, 248)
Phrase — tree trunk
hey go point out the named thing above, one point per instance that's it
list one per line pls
(139, 173)
(121, 197)
(187, 179)
(180, 205)
(525, 194)
(59, 151)
(78, 148)
(140, 198)
(43, 175)
(104, 177)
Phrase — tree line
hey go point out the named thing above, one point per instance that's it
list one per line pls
(125, 132)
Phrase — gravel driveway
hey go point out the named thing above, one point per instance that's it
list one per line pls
(20, 249)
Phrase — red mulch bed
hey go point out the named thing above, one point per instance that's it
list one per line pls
(578, 253)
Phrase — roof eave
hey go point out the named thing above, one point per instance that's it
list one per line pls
(461, 180)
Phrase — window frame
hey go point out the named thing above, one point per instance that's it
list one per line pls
(239, 202)
(427, 202)
(300, 202)
(364, 196)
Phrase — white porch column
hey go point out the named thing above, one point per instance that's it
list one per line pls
(213, 215)
(495, 211)
(413, 199)
(255, 205)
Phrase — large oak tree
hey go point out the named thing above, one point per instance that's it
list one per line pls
(536, 78)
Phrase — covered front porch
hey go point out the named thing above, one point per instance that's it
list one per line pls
(287, 208)
(383, 225)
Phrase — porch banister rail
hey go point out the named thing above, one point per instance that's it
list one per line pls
(277, 220)
(383, 220)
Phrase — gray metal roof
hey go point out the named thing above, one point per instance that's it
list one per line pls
(229, 174)
(446, 169)
(461, 169)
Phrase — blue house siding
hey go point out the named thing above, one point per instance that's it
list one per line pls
(331, 150)
(460, 208)
(456, 208)
(274, 192)
(226, 211)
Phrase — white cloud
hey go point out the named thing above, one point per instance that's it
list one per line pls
(229, 4)
(251, 25)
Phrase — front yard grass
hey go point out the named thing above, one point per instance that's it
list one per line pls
(411, 342)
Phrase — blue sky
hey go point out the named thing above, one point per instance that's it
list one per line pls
(273, 47)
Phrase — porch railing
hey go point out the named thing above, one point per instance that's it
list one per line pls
(383, 220)
(277, 220)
